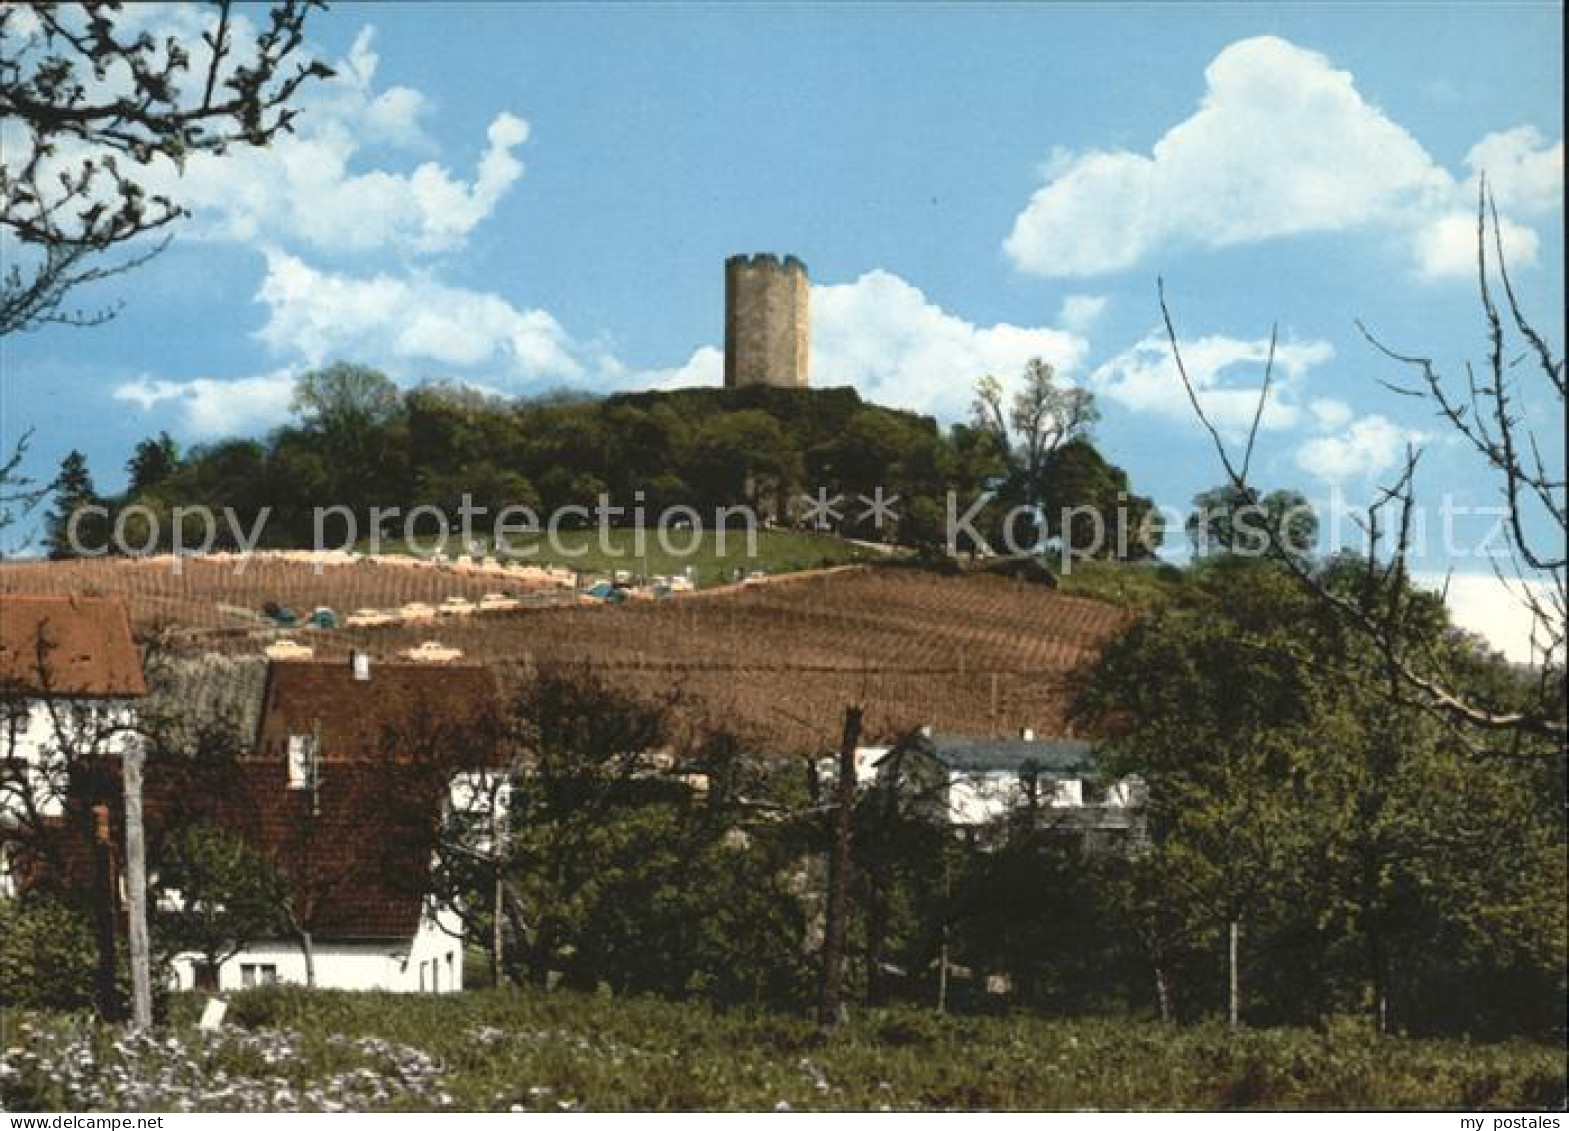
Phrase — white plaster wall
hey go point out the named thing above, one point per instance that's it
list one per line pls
(866, 759)
(1068, 793)
(38, 735)
(978, 798)
(471, 793)
(439, 943)
(975, 799)
(388, 965)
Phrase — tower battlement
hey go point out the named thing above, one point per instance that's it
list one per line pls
(767, 321)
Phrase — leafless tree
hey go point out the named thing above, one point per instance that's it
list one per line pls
(58, 760)
(450, 785)
(1042, 417)
(19, 492)
(1490, 416)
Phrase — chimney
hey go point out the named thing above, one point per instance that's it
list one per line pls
(361, 666)
(1027, 734)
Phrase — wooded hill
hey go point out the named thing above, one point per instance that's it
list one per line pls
(360, 442)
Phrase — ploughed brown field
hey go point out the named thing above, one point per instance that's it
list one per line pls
(211, 598)
(775, 661)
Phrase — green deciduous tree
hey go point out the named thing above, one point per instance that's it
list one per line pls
(1230, 519)
(1042, 416)
(345, 402)
(744, 456)
(1089, 506)
(218, 895)
(359, 443)
(1340, 836)
(620, 874)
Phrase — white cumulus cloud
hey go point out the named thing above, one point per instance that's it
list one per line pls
(1079, 313)
(1281, 143)
(706, 366)
(1524, 172)
(1330, 414)
(210, 408)
(317, 187)
(403, 320)
(1331, 441)
(1446, 247)
(1227, 375)
(1361, 450)
(1495, 611)
(881, 335)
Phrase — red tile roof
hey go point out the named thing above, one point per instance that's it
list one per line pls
(358, 719)
(70, 646)
(358, 848)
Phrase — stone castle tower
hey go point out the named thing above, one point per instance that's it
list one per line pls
(767, 331)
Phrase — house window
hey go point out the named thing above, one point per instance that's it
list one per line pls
(1095, 792)
(253, 974)
(302, 761)
(422, 966)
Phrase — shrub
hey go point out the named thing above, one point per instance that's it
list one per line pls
(48, 957)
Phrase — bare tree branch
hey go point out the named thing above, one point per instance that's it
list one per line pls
(1492, 425)
(96, 107)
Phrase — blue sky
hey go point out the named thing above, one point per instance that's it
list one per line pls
(526, 197)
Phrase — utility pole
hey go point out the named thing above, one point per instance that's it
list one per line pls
(1233, 977)
(106, 909)
(835, 922)
(942, 971)
(499, 787)
(132, 759)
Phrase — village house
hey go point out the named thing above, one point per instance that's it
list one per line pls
(349, 777)
(342, 789)
(70, 684)
(970, 783)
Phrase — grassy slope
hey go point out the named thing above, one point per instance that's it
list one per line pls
(777, 551)
(1141, 586)
(521, 1049)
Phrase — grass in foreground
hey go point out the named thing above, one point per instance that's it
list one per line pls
(520, 1050)
(714, 555)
